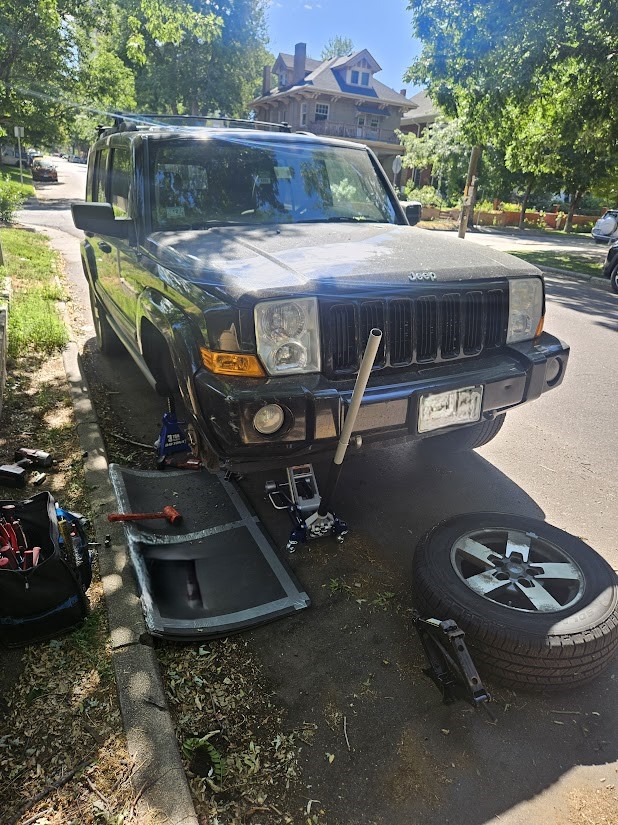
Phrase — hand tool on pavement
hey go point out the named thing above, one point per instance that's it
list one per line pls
(169, 513)
(14, 475)
(38, 457)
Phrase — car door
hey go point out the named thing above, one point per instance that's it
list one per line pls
(122, 290)
(106, 275)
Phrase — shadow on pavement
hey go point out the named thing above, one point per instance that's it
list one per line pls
(56, 204)
(587, 299)
(352, 665)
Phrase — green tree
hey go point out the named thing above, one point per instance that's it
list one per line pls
(443, 149)
(38, 63)
(337, 46)
(194, 56)
(537, 79)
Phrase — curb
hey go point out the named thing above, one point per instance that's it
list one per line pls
(5, 299)
(159, 778)
(593, 280)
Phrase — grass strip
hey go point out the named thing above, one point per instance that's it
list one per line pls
(35, 323)
(26, 189)
(571, 262)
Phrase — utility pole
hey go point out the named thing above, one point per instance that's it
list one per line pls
(19, 133)
(468, 198)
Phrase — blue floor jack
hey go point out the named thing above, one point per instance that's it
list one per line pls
(310, 513)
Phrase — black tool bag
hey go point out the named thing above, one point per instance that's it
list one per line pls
(46, 600)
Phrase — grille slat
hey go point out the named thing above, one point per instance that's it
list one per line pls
(473, 323)
(372, 316)
(451, 339)
(400, 329)
(427, 328)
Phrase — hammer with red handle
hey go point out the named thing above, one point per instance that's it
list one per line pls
(169, 513)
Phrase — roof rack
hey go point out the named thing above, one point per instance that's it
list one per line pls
(131, 123)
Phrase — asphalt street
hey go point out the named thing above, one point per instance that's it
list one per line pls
(421, 762)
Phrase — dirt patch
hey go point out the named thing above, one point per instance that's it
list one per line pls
(60, 708)
(594, 807)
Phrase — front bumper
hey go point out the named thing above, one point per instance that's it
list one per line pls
(315, 406)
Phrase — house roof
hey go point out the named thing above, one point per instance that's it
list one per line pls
(288, 60)
(329, 76)
(425, 109)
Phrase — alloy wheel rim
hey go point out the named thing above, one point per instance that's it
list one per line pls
(518, 570)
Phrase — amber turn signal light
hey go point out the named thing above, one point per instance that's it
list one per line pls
(232, 363)
(539, 328)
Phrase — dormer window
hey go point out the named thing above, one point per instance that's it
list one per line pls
(359, 77)
(283, 79)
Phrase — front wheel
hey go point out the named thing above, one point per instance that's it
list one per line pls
(538, 606)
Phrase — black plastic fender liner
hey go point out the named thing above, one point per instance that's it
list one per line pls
(216, 572)
(547, 621)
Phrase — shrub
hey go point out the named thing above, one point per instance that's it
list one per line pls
(10, 200)
(427, 195)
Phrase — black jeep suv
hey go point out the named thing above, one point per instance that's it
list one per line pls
(245, 268)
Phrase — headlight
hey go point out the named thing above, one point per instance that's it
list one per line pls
(288, 336)
(525, 309)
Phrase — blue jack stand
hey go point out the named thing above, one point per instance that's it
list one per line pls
(172, 438)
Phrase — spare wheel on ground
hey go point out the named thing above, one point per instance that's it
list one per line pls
(539, 607)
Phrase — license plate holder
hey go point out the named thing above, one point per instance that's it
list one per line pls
(446, 409)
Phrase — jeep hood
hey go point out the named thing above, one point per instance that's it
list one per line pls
(246, 264)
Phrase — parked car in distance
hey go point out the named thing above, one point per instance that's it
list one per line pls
(34, 156)
(245, 269)
(43, 170)
(605, 229)
(9, 156)
(610, 268)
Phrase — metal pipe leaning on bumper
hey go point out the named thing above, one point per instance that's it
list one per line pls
(371, 350)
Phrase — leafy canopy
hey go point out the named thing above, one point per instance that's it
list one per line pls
(337, 46)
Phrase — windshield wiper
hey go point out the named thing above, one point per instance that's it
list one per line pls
(343, 219)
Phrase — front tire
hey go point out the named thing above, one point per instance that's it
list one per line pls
(538, 606)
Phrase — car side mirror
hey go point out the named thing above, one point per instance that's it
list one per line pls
(413, 212)
(99, 219)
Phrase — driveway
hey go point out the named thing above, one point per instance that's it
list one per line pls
(380, 747)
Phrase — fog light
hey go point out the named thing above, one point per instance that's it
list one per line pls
(269, 419)
(553, 370)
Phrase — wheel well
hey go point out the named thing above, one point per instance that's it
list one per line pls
(158, 358)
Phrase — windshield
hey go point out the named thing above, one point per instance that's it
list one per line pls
(197, 184)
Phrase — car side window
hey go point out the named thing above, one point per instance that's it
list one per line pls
(120, 183)
(100, 174)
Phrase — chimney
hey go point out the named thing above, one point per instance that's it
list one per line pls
(402, 92)
(300, 58)
(265, 81)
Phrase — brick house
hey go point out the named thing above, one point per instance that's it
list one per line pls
(339, 97)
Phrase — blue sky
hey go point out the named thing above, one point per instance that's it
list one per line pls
(384, 27)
